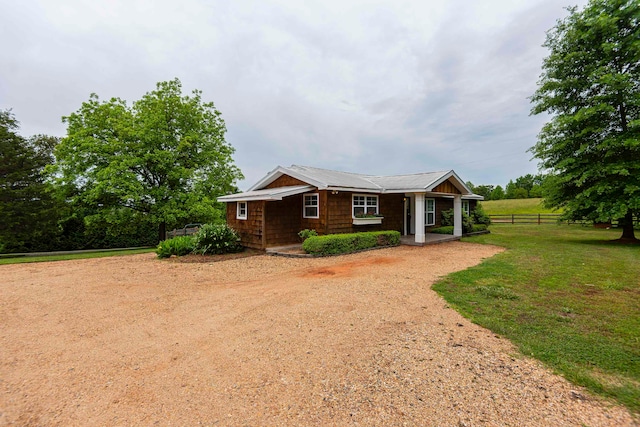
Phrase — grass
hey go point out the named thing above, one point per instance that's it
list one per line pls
(7, 259)
(515, 206)
(564, 294)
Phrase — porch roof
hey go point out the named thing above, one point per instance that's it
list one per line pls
(267, 194)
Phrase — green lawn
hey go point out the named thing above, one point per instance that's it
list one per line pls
(7, 259)
(515, 206)
(563, 294)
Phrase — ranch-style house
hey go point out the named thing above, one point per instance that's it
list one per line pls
(290, 199)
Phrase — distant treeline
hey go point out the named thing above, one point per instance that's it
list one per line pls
(524, 187)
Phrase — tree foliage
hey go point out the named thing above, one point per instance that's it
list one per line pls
(591, 87)
(27, 208)
(164, 158)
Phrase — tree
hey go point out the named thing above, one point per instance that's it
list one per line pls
(498, 193)
(164, 158)
(591, 87)
(513, 191)
(27, 209)
(484, 191)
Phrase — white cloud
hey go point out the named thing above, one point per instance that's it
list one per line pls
(365, 86)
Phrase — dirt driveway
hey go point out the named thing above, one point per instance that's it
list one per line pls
(352, 340)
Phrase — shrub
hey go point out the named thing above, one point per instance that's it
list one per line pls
(467, 221)
(217, 239)
(447, 229)
(344, 243)
(447, 218)
(479, 215)
(178, 246)
(306, 233)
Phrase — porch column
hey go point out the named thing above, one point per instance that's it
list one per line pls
(419, 217)
(457, 215)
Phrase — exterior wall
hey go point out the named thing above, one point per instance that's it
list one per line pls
(340, 219)
(285, 181)
(250, 229)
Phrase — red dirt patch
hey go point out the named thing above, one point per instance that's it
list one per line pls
(348, 268)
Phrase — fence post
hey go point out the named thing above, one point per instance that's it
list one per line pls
(513, 219)
(538, 219)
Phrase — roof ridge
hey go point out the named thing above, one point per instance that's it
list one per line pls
(410, 174)
(327, 170)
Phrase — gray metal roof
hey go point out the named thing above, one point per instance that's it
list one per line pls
(267, 194)
(329, 179)
(325, 178)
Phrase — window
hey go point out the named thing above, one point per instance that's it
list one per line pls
(364, 205)
(429, 211)
(241, 212)
(465, 207)
(310, 208)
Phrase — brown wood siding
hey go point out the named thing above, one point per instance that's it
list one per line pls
(250, 229)
(285, 181)
(446, 187)
(340, 219)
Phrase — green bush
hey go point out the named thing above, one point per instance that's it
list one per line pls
(449, 229)
(344, 243)
(306, 233)
(479, 216)
(178, 246)
(217, 239)
(446, 218)
(467, 221)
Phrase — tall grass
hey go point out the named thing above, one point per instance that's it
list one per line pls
(516, 206)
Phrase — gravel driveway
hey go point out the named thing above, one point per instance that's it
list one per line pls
(350, 340)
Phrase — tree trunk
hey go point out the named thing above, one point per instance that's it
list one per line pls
(628, 234)
(162, 231)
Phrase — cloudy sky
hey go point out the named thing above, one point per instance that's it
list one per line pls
(379, 87)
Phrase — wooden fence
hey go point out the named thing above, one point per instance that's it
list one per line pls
(186, 231)
(547, 219)
(525, 218)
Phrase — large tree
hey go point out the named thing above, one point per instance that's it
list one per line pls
(590, 86)
(27, 208)
(164, 157)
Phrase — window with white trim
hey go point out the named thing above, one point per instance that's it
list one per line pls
(311, 208)
(364, 205)
(465, 207)
(429, 211)
(241, 210)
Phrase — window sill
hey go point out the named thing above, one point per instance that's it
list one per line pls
(367, 221)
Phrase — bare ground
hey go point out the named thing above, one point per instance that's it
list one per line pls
(351, 340)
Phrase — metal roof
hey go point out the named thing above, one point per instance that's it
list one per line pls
(324, 179)
(267, 194)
